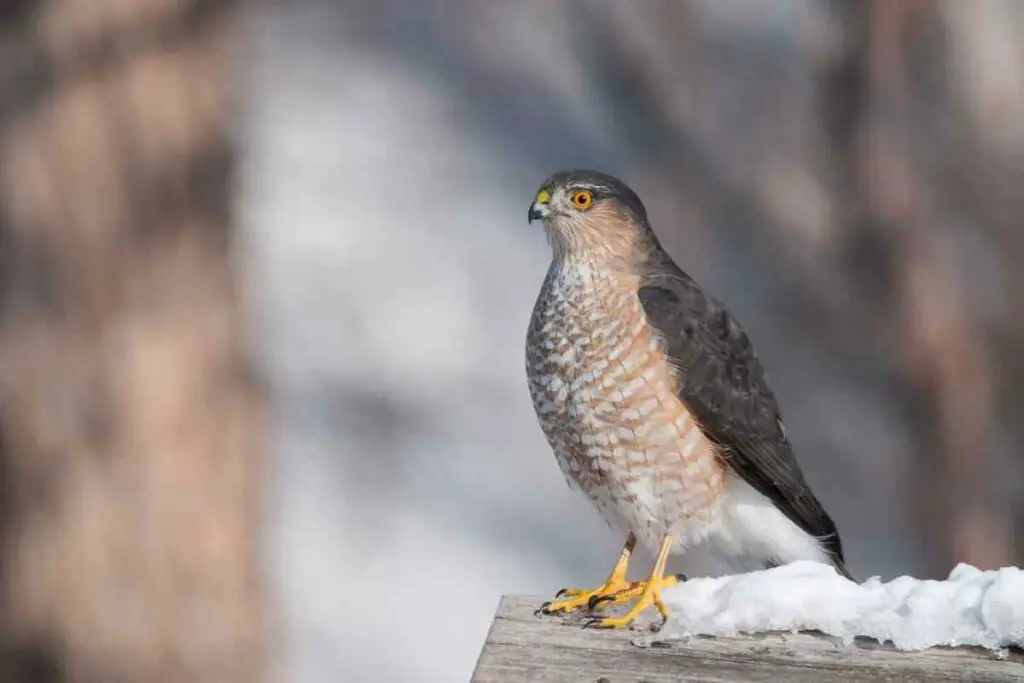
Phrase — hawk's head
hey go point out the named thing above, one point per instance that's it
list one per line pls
(591, 213)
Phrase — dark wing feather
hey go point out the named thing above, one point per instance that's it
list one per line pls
(722, 383)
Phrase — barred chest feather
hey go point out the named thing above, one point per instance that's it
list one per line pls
(605, 398)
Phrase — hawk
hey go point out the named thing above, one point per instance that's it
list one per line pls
(655, 404)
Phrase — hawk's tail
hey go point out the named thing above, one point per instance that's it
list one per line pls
(840, 566)
(834, 551)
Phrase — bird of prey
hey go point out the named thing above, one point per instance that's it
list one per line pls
(655, 404)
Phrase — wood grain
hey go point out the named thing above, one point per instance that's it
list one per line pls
(523, 647)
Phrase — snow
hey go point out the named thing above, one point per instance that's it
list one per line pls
(971, 607)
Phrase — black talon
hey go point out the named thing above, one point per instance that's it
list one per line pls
(681, 578)
(596, 600)
(562, 592)
(545, 608)
(596, 622)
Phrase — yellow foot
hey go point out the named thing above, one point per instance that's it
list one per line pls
(634, 590)
(569, 599)
(648, 592)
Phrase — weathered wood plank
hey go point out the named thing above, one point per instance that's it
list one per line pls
(522, 647)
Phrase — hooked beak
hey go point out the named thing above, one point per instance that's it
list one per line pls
(540, 209)
(538, 212)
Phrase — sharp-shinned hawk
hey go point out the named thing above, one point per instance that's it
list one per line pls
(655, 403)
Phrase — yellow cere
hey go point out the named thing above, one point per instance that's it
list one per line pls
(543, 197)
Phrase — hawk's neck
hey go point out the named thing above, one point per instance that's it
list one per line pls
(580, 293)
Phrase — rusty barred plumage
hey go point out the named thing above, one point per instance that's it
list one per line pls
(653, 401)
(605, 398)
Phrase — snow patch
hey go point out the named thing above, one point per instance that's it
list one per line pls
(971, 607)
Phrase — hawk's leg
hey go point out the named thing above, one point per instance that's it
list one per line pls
(649, 592)
(569, 599)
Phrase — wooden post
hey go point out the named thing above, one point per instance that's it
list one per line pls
(522, 647)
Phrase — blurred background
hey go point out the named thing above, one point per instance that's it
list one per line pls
(265, 276)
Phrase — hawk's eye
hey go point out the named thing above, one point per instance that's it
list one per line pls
(582, 199)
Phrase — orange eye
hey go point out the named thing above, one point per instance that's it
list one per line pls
(583, 199)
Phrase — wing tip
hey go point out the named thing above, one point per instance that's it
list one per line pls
(834, 549)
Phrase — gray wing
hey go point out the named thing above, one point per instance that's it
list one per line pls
(723, 384)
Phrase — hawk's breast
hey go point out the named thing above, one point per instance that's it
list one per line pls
(605, 398)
